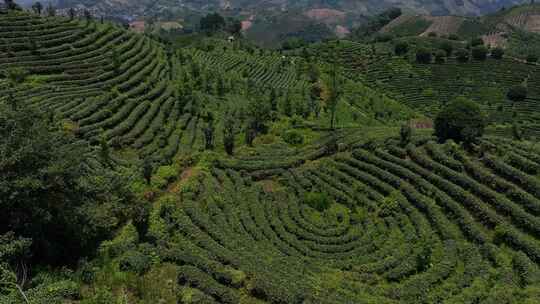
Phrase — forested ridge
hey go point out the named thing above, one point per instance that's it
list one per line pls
(144, 168)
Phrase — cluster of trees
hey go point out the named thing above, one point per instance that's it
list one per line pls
(376, 23)
(58, 198)
(214, 22)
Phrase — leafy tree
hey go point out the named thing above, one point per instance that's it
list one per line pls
(479, 52)
(115, 57)
(517, 132)
(330, 96)
(228, 134)
(51, 11)
(212, 23)
(258, 113)
(453, 37)
(405, 134)
(447, 48)
(460, 120)
(87, 15)
(532, 58)
(234, 26)
(462, 55)
(401, 48)
(317, 200)
(16, 76)
(37, 8)
(497, 53)
(11, 5)
(423, 55)
(477, 42)
(209, 134)
(440, 56)
(104, 152)
(71, 13)
(313, 73)
(148, 169)
(517, 93)
(286, 105)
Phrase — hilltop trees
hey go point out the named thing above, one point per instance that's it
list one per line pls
(212, 22)
(11, 5)
(377, 22)
(461, 120)
(37, 8)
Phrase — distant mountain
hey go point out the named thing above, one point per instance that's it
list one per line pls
(348, 7)
(272, 21)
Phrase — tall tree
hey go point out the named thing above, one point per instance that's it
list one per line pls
(228, 134)
(37, 8)
(51, 11)
(331, 96)
(147, 170)
(71, 13)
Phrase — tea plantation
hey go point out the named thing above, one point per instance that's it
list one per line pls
(246, 175)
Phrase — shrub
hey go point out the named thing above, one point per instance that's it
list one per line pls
(134, 261)
(531, 58)
(423, 55)
(447, 48)
(440, 56)
(383, 38)
(432, 34)
(517, 93)
(462, 55)
(479, 52)
(317, 200)
(293, 137)
(497, 53)
(405, 134)
(401, 48)
(163, 176)
(477, 42)
(460, 120)
(453, 37)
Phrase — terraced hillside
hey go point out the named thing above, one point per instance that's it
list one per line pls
(516, 28)
(427, 87)
(142, 96)
(99, 76)
(248, 196)
(423, 224)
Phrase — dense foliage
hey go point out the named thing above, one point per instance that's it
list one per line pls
(461, 120)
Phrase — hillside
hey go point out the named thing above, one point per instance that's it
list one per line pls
(278, 20)
(515, 28)
(256, 176)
